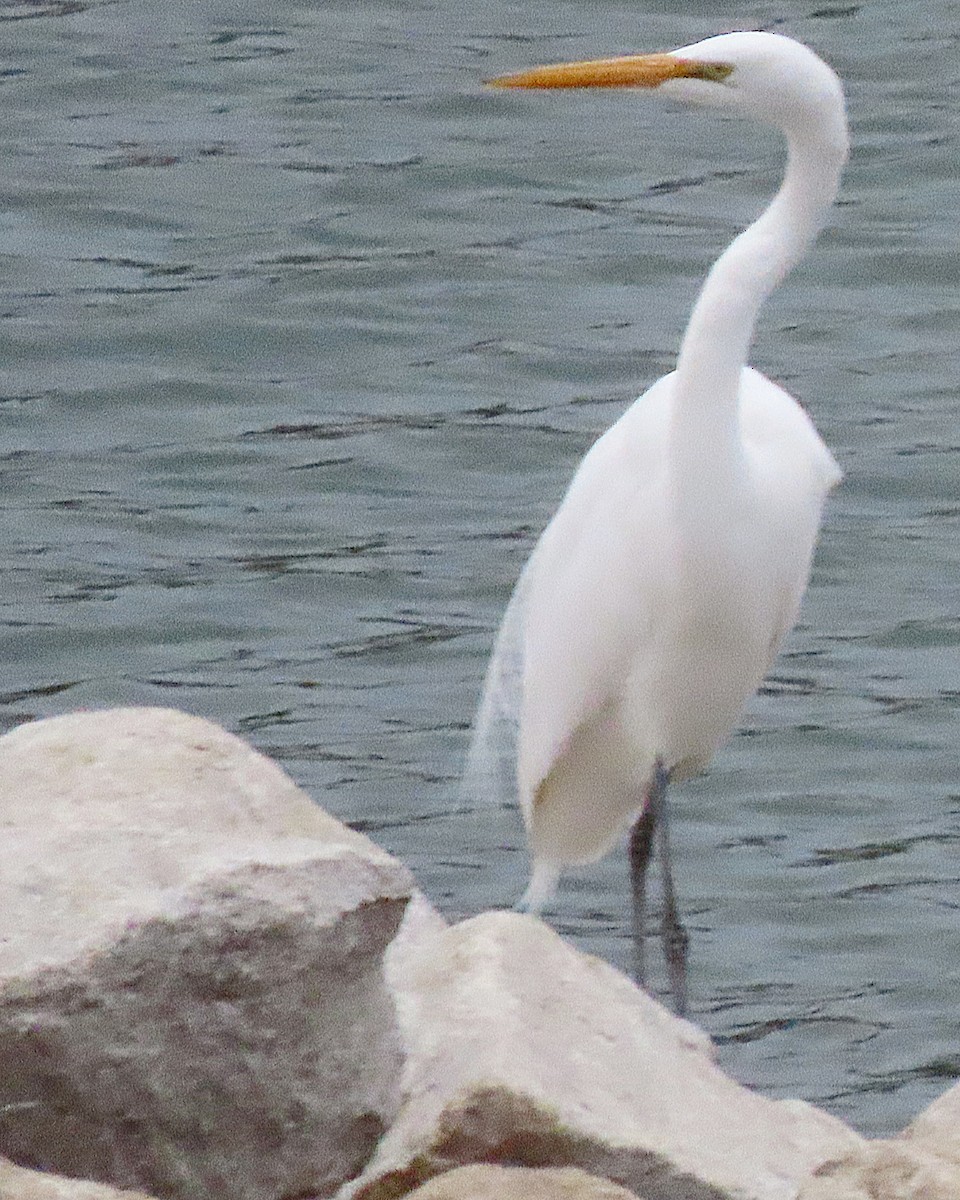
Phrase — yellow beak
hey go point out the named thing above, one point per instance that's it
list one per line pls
(634, 70)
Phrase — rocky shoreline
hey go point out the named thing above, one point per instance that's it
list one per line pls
(211, 988)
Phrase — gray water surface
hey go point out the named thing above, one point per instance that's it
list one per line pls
(302, 334)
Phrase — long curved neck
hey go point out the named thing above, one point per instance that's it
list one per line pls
(717, 341)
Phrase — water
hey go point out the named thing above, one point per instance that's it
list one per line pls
(302, 334)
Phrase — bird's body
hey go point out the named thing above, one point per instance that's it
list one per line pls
(623, 663)
(658, 595)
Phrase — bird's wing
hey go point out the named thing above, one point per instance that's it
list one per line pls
(775, 424)
(568, 664)
(590, 585)
(784, 444)
(491, 768)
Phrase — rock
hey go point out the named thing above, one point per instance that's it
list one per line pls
(17, 1183)
(923, 1163)
(519, 1183)
(192, 998)
(524, 1052)
(884, 1170)
(937, 1128)
(421, 924)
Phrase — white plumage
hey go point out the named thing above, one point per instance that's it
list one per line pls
(657, 597)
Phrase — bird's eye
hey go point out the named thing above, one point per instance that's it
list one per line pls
(715, 72)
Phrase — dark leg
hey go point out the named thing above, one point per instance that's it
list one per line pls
(675, 937)
(653, 821)
(641, 843)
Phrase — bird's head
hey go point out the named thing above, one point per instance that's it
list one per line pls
(762, 75)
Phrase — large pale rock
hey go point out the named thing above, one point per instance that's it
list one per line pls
(523, 1051)
(519, 1183)
(885, 1170)
(937, 1128)
(191, 986)
(17, 1183)
(923, 1163)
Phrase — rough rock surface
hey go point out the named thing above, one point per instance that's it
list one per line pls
(519, 1183)
(923, 1163)
(191, 987)
(937, 1128)
(524, 1052)
(17, 1183)
(885, 1170)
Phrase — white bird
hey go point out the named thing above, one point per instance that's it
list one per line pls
(657, 597)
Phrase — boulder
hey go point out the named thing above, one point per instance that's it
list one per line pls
(519, 1183)
(884, 1170)
(192, 998)
(937, 1128)
(525, 1052)
(922, 1163)
(17, 1183)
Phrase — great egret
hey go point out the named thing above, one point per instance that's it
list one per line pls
(657, 597)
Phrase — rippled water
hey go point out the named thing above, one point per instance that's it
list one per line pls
(302, 334)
